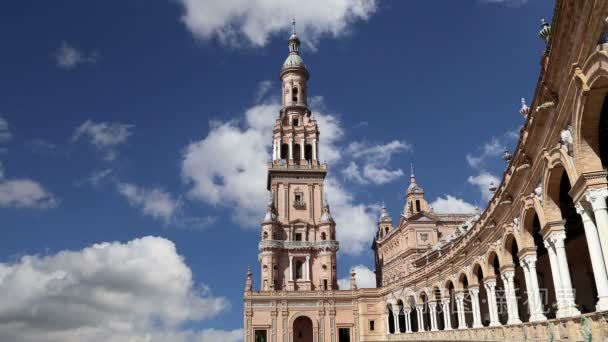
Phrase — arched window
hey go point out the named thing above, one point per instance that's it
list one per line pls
(284, 151)
(299, 269)
(386, 229)
(308, 152)
(265, 235)
(417, 206)
(294, 94)
(297, 152)
(323, 236)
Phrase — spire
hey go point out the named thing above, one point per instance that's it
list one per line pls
(384, 217)
(525, 110)
(413, 185)
(294, 41)
(248, 282)
(293, 24)
(326, 214)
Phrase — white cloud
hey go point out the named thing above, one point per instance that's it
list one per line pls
(228, 167)
(241, 23)
(482, 181)
(154, 202)
(364, 277)
(69, 57)
(5, 133)
(136, 291)
(106, 136)
(25, 193)
(98, 176)
(490, 149)
(355, 222)
(453, 205)
(375, 159)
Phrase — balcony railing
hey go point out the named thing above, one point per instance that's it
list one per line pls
(281, 165)
(297, 244)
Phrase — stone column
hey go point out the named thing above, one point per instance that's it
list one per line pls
(274, 150)
(474, 293)
(561, 274)
(513, 313)
(420, 309)
(302, 149)
(598, 263)
(396, 319)
(291, 148)
(597, 198)
(528, 263)
(446, 313)
(433, 312)
(314, 149)
(408, 321)
(490, 285)
(462, 324)
(307, 268)
(291, 268)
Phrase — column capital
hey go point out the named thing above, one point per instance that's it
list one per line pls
(597, 198)
(528, 261)
(507, 275)
(582, 208)
(474, 291)
(556, 238)
(445, 301)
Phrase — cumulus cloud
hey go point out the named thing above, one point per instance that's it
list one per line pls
(453, 205)
(251, 23)
(68, 57)
(355, 222)
(136, 291)
(482, 180)
(105, 136)
(25, 193)
(375, 159)
(228, 167)
(364, 277)
(5, 133)
(491, 149)
(154, 202)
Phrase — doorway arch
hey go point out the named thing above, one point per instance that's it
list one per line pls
(302, 329)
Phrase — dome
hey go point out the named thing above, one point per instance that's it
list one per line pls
(293, 60)
(414, 188)
(384, 217)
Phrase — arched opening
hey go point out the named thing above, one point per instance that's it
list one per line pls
(401, 316)
(484, 309)
(468, 310)
(501, 300)
(302, 329)
(519, 281)
(265, 236)
(284, 151)
(603, 134)
(436, 296)
(297, 153)
(577, 251)
(413, 314)
(543, 269)
(323, 236)
(294, 94)
(386, 230)
(452, 295)
(391, 319)
(308, 152)
(426, 312)
(417, 206)
(299, 270)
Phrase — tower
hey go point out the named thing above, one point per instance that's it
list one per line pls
(414, 198)
(298, 247)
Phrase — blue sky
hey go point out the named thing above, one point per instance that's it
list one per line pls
(121, 120)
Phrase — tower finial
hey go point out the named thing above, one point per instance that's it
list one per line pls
(411, 170)
(293, 25)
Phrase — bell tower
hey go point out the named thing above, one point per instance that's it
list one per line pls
(298, 246)
(414, 198)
